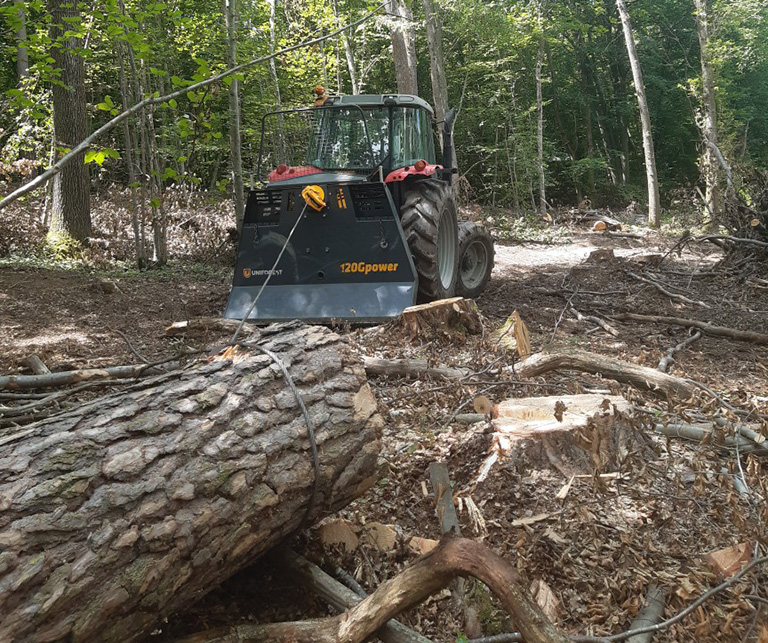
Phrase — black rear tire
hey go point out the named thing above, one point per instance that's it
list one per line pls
(428, 217)
(476, 254)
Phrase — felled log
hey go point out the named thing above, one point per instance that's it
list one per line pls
(117, 513)
(574, 434)
(443, 318)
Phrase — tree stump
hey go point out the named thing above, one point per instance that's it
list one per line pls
(122, 511)
(442, 319)
(575, 434)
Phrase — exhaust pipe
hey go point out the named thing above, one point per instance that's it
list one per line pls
(449, 156)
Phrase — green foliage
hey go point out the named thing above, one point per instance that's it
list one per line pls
(591, 127)
(62, 249)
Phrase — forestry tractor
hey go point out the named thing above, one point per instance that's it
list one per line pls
(356, 220)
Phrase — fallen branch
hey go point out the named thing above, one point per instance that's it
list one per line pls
(621, 371)
(341, 598)
(428, 574)
(707, 435)
(649, 615)
(411, 368)
(36, 365)
(596, 320)
(722, 237)
(664, 291)
(665, 361)
(705, 327)
(53, 380)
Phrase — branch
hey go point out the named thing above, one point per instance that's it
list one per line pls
(621, 371)
(666, 292)
(155, 100)
(665, 361)
(342, 598)
(722, 237)
(705, 327)
(451, 558)
(52, 380)
(411, 368)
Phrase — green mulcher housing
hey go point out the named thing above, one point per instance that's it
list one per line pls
(356, 220)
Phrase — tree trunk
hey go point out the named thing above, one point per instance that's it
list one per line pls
(71, 213)
(22, 55)
(234, 115)
(708, 121)
(404, 48)
(540, 119)
(280, 143)
(436, 61)
(122, 511)
(654, 204)
(129, 136)
(349, 54)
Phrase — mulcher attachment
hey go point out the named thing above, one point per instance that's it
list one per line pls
(347, 260)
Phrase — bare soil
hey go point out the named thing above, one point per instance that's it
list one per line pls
(600, 547)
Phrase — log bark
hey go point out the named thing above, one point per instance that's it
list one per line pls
(621, 371)
(122, 511)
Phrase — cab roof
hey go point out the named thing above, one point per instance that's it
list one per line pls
(405, 100)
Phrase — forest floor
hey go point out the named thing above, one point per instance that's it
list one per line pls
(599, 546)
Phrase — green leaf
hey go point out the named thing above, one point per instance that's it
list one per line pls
(176, 80)
(155, 202)
(172, 103)
(135, 184)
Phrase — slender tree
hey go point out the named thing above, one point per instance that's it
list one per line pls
(71, 213)
(540, 116)
(349, 54)
(654, 204)
(708, 118)
(403, 47)
(230, 15)
(22, 55)
(434, 27)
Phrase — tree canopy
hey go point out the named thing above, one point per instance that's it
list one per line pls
(132, 49)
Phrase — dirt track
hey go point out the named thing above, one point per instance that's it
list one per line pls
(599, 550)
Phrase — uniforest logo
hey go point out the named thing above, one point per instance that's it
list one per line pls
(248, 273)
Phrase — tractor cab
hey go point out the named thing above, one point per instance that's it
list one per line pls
(386, 137)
